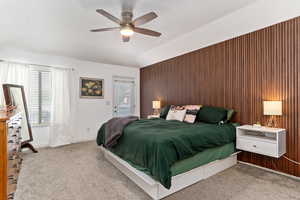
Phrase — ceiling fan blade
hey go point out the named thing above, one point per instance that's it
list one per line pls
(105, 29)
(146, 32)
(144, 19)
(125, 38)
(109, 16)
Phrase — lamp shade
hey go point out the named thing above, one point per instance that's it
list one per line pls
(272, 107)
(156, 104)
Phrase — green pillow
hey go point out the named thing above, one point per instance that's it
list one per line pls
(164, 112)
(230, 113)
(212, 115)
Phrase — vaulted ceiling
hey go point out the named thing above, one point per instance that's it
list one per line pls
(61, 27)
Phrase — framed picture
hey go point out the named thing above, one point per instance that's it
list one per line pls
(91, 88)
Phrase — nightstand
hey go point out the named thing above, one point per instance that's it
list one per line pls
(262, 140)
(152, 116)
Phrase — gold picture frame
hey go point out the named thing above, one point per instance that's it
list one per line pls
(91, 88)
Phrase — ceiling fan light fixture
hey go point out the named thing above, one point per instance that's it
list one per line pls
(126, 31)
(127, 26)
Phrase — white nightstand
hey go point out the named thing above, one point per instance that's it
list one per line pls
(152, 116)
(262, 140)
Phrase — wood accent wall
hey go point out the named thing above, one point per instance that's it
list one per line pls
(239, 73)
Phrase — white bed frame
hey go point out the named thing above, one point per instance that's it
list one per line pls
(155, 189)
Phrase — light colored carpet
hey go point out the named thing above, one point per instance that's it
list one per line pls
(80, 172)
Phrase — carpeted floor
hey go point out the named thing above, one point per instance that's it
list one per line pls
(80, 172)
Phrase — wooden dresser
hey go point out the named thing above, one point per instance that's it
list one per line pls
(10, 154)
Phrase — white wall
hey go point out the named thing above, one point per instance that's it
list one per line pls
(261, 14)
(91, 113)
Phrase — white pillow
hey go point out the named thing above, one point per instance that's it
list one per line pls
(176, 113)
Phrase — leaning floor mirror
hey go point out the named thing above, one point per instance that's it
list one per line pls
(15, 96)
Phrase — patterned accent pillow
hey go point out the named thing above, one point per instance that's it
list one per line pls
(176, 113)
(191, 113)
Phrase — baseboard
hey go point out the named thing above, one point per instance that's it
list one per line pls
(271, 170)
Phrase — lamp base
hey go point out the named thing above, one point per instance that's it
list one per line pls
(272, 122)
(155, 111)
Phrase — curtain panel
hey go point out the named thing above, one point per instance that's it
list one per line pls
(62, 107)
(13, 73)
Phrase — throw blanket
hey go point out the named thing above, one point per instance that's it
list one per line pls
(156, 144)
(114, 129)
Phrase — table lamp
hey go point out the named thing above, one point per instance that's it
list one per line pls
(272, 108)
(156, 107)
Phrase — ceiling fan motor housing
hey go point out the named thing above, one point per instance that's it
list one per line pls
(126, 17)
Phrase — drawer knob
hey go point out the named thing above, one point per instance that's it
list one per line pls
(254, 145)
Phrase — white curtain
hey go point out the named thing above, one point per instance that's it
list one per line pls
(62, 107)
(13, 73)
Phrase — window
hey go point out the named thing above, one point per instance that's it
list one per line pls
(39, 96)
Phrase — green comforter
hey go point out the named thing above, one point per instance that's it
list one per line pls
(156, 144)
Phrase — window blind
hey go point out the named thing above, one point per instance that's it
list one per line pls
(40, 96)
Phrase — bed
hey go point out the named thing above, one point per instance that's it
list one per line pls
(165, 156)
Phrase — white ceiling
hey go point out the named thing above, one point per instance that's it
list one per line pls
(61, 27)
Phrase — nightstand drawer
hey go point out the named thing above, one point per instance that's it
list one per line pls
(265, 148)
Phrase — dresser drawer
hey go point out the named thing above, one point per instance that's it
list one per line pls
(265, 148)
(12, 171)
(16, 163)
(11, 188)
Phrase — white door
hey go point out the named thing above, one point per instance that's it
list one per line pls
(123, 97)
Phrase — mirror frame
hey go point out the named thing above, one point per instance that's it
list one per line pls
(8, 101)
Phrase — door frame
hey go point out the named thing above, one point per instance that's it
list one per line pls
(125, 79)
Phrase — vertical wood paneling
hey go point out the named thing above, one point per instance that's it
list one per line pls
(239, 73)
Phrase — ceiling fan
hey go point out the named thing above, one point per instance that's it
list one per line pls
(127, 26)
